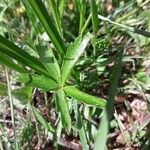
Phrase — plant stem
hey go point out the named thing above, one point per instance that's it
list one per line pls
(12, 109)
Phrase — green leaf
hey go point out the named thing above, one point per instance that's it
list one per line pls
(13, 51)
(101, 139)
(64, 110)
(127, 28)
(82, 134)
(48, 59)
(61, 7)
(3, 89)
(39, 81)
(32, 16)
(73, 53)
(42, 121)
(80, 126)
(94, 15)
(45, 19)
(6, 60)
(84, 97)
(81, 5)
(23, 94)
(54, 10)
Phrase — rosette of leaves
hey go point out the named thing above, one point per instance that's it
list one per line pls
(47, 72)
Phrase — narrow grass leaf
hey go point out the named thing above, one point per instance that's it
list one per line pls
(84, 97)
(64, 110)
(45, 19)
(81, 4)
(128, 28)
(73, 53)
(55, 13)
(80, 126)
(32, 16)
(5, 60)
(94, 15)
(86, 23)
(98, 3)
(42, 121)
(142, 32)
(94, 23)
(39, 81)
(101, 139)
(82, 134)
(13, 51)
(61, 7)
(48, 59)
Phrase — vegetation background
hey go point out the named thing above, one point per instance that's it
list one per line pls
(74, 74)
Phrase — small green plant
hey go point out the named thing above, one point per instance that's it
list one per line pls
(47, 73)
(46, 59)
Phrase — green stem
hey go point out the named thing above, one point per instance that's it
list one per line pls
(88, 20)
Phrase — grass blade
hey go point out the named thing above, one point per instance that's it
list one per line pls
(4, 59)
(80, 126)
(54, 10)
(94, 15)
(61, 7)
(82, 133)
(81, 5)
(42, 121)
(101, 139)
(13, 51)
(48, 25)
(64, 110)
(32, 16)
(73, 53)
(88, 19)
(94, 23)
(142, 32)
(128, 28)
(84, 98)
